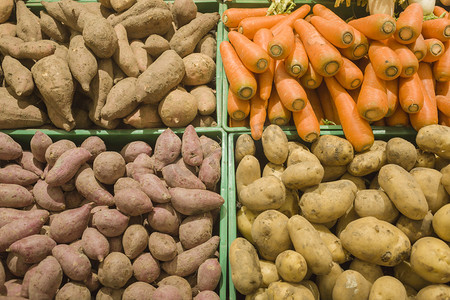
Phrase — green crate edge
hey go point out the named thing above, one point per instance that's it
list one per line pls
(211, 6)
(116, 139)
(292, 135)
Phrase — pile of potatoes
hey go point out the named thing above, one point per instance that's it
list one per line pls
(327, 223)
(82, 222)
(108, 64)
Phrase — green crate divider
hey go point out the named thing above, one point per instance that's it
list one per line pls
(379, 133)
(116, 139)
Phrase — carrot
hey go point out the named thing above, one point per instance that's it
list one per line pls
(439, 11)
(443, 88)
(242, 82)
(337, 33)
(299, 13)
(277, 113)
(326, 13)
(419, 47)
(372, 101)
(282, 43)
(435, 50)
(249, 26)
(313, 98)
(237, 109)
(409, 24)
(257, 116)
(265, 79)
(306, 123)
(252, 55)
(232, 16)
(428, 115)
(354, 93)
(327, 104)
(323, 56)
(398, 118)
(408, 60)
(392, 96)
(349, 76)
(443, 119)
(380, 122)
(297, 62)
(437, 29)
(243, 123)
(441, 68)
(311, 79)
(376, 27)
(426, 77)
(357, 130)
(358, 49)
(410, 96)
(385, 61)
(291, 93)
(443, 104)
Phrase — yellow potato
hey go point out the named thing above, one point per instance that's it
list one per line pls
(269, 272)
(292, 145)
(425, 159)
(375, 203)
(410, 292)
(300, 155)
(435, 139)
(415, 229)
(302, 175)
(275, 144)
(370, 161)
(260, 294)
(332, 150)
(370, 271)
(351, 285)
(338, 253)
(244, 146)
(332, 173)
(326, 282)
(291, 266)
(408, 276)
(244, 219)
(284, 290)
(290, 206)
(264, 193)
(401, 152)
(429, 181)
(441, 223)
(310, 285)
(247, 171)
(349, 216)
(358, 181)
(435, 292)
(445, 180)
(273, 169)
(387, 288)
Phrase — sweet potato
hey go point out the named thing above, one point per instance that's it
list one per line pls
(134, 240)
(49, 197)
(14, 174)
(138, 290)
(94, 145)
(208, 275)
(131, 150)
(155, 45)
(115, 270)
(34, 248)
(101, 85)
(54, 10)
(6, 7)
(90, 188)
(180, 283)
(108, 167)
(8, 215)
(167, 292)
(110, 222)
(7, 28)
(177, 109)
(132, 202)
(34, 50)
(53, 28)
(195, 230)
(16, 265)
(143, 59)
(207, 295)
(121, 100)
(69, 225)
(146, 268)
(82, 62)
(184, 11)
(121, 5)
(28, 28)
(200, 69)
(10, 149)
(67, 166)
(95, 245)
(18, 229)
(144, 116)
(29, 163)
(177, 176)
(164, 218)
(106, 293)
(39, 144)
(46, 279)
(162, 246)
(99, 35)
(55, 150)
(167, 149)
(194, 201)
(154, 188)
(206, 99)
(2, 274)
(17, 76)
(14, 196)
(207, 45)
(210, 170)
(126, 183)
(124, 56)
(74, 264)
(92, 282)
(73, 289)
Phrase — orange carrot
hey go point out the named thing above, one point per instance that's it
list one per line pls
(357, 130)
(249, 26)
(326, 13)
(252, 55)
(437, 29)
(426, 77)
(282, 43)
(418, 47)
(327, 104)
(232, 16)
(358, 49)
(410, 96)
(313, 98)
(243, 123)
(257, 116)
(439, 11)
(242, 82)
(311, 79)
(337, 33)
(349, 76)
(306, 123)
(277, 113)
(392, 96)
(385, 61)
(428, 115)
(372, 100)
(443, 104)
(380, 122)
(441, 68)
(409, 24)
(299, 13)
(265, 79)
(443, 119)
(237, 109)
(435, 50)
(291, 93)
(443, 88)
(297, 62)
(398, 118)
(376, 27)
(323, 56)
(408, 60)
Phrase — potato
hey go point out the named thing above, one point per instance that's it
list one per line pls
(375, 203)
(146, 268)
(435, 291)
(387, 287)
(247, 171)
(358, 181)
(369, 161)
(304, 237)
(408, 276)
(244, 266)
(338, 253)
(200, 69)
(291, 266)
(425, 159)
(164, 218)
(195, 230)
(34, 248)
(191, 148)
(274, 142)
(273, 169)
(327, 282)
(415, 229)
(260, 294)
(429, 181)
(95, 245)
(300, 154)
(401, 152)
(269, 272)
(430, 259)
(264, 193)
(46, 279)
(106, 293)
(180, 283)
(441, 223)
(445, 180)
(351, 285)
(74, 264)
(302, 175)
(244, 219)
(178, 109)
(184, 11)
(69, 225)
(284, 290)
(206, 99)
(332, 173)
(73, 289)
(8, 215)
(138, 290)
(435, 139)
(207, 295)
(404, 191)
(332, 150)
(108, 167)
(370, 271)
(327, 201)
(290, 206)
(115, 270)
(53, 28)
(110, 222)
(392, 245)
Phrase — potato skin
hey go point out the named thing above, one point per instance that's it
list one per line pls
(370, 161)
(180, 283)
(370, 271)
(264, 193)
(429, 181)
(195, 230)
(409, 277)
(134, 240)
(146, 268)
(244, 219)
(162, 246)
(302, 175)
(332, 150)
(291, 266)
(284, 290)
(375, 203)
(434, 291)
(200, 69)
(208, 274)
(401, 152)
(334, 245)
(441, 223)
(138, 290)
(108, 167)
(415, 229)
(435, 139)
(351, 285)
(247, 171)
(46, 279)
(326, 282)
(274, 142)
(73, 289)
(387, 287)
(178, 109)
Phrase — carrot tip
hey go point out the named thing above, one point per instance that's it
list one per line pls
(347, 38)
(355, 83)
(262, 64)
(310, 83)
(311, 137)
(413, 108)
(276, 50)
(392, 71)
(296, 69)
(419, 55)
(238, 115)
(405, 33)
(279, 121)
(436, 49)
(241, 29)
(409, 71)
(298, 104)
(246, 92)
(331, 67)
(388, 27)
(373, 114)
(447, 31)
(360, 51)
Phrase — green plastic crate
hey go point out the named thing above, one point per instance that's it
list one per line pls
(116, 139)
(380, 134)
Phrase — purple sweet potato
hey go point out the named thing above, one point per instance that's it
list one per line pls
(126, 183)
(154, 187)
(176, 176)
(49, 197)
(192, 169)
(138, 290)
(164, 218)
(67, 166)
(55, 150)
(73, 289)
(167, 292)
(195, 230)
(110, 222)
(108, 167)
(135, 240)
(74, 264)
(131, 150)
(194, 201)
(167, 149)
(162, 246)
(73, 199)
(14, 196)
(16, 265)
(14, 174)
(208, 145)
(191, 147)
(90, 188)
(46, 279)
(13, 288)
(208, 275)
(30, 163)
(146, 268)
(94, 145)
(19, 229)
(95, 245)
(209, 171)
(69, 225)
(78, 245)
(207, 295)
(8, 215)
(133, 170)
(133, 202)
(33, 248)
(10, 150)
(26, 280)
(188, 262)
(180, 283)
(39, 144)
(115, 270)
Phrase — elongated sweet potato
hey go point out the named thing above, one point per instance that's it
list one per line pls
(39, 144)
(210, 170)
(14, 196)
(28, 162)
(133, 202)
(154, 188)
(8, 215)
(10, 149)
(95, 245)
(19, 229)
(55, 150)
(121, 100)
(191, 148)
(134, 240)
(17, 76)
(184, 11)
(143, 59)
(155, 45)
(14, 174)
(67, 166)
(98, 35)
(8, 28)
(53, 28)
(74, 264)
(28, 28)
(194, 201)
(110, 222)
(82, 62)
(144, 116)
(124, 56)
(208, 275)
(34, 248)
(49, 197)
(101, 84)
(69, 225)
(177, 176)
(90, 188)
(167, 149)
(46, 279)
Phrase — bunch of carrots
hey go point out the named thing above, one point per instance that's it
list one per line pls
(317, 68)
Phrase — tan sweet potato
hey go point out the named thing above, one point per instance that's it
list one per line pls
(178, 109)
(46, 279)
(14, 196)
(121, 100)
(134, 240)
(200, 69)
(207, 45)
(195, 230)
(91, 189)
(138, 290)
(53, 28)
(184, 11)
(146, 268)
(155, 45)
(206, 99)
(110, 222)
(180, 283)
(142, 57)
(95, 245)
(108, 167)
(28, 28)
(69, 225)
(162, 246)
(82, 62)
(7, 28)
(6, 7)
(124, 56)
(115, 270)
(144, 116)
(73, 289)
(67, 166)
(74, 264)
(164, 218)
(101, 84)
(17, 76)
(49, 197)
(121, 5)
(167, 149)
(99, 35)
(194, 201)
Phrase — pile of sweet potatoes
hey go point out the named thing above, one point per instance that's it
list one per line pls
(114, 64)
(81, 221)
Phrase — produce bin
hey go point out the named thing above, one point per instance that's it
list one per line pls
(116, 139)
(380, 134)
